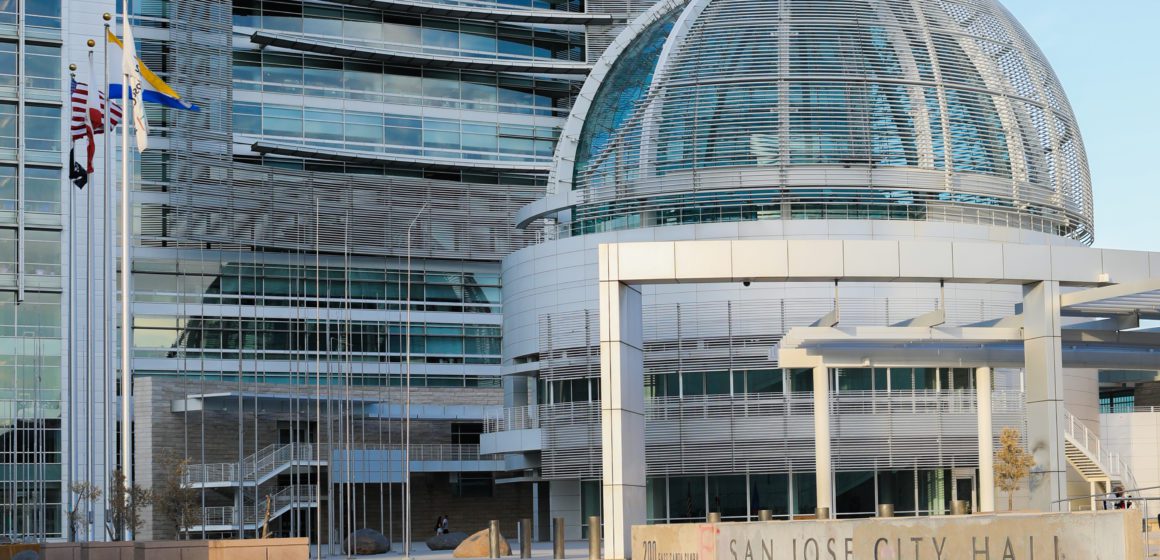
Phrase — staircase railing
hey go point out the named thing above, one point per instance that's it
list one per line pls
(271, 458)
(1088, 442)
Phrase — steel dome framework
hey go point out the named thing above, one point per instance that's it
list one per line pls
(736, 110)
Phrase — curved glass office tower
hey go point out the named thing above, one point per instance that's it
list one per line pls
(790, 119)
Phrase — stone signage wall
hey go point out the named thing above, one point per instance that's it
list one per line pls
(1102, 535)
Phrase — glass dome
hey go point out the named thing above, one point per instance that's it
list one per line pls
(732, 110)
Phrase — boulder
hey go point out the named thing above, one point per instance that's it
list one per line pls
(476, 546)
(368, 541)
(446, 541)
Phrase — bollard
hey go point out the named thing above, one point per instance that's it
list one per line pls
(764, 515)
(493, 539)
(885, 510)
(959, 507)
(594, 537)
(714, 517)
(525, 538)
(822, 513)
(558, 538)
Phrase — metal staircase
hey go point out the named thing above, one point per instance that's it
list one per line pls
(282, 500)
(1091, 460)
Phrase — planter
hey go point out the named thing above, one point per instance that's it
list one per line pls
(60, 551)
(242, 549)
(120, 550)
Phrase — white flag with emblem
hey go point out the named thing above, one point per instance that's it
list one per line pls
(132, 68)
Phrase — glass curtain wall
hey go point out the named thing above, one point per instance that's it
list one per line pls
(32, 291)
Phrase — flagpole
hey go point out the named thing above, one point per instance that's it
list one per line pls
(108, 394)
(126, 274)
(74, 399)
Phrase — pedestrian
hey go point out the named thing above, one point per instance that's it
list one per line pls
(445, 524)
(438, 526)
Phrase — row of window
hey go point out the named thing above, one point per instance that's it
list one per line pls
(282, 285)
(433, 34)
(37, 13)
(354, 379)
(373, 81)
(360, 340)
(41, 67)
(397, 134)
(38, 315)
(483, 177)
(42, 189)
(42, 252)
(41, 131)
(739, 497)
(763, 381)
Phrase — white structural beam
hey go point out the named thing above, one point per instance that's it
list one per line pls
(986, 445)
(1043, 381)
(823, 472)
(621, 409)
(660, 262)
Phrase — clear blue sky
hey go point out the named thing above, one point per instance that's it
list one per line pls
(1107, 54)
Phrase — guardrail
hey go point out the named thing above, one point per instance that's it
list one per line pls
(1112, 463)
(271, 458)
(514, 418)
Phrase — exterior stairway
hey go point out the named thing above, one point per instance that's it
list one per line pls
(282, 500)
(1091, 460)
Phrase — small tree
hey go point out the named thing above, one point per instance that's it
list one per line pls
(125, 505)
(175, 499)
(86, 493)
(1012, 463)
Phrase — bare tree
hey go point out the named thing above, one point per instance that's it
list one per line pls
(86, 494)
(125, 505)
(174, 498)
(1012, 463)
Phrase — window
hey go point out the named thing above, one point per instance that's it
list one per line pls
(43, 128)
(42, 252)
(474, 485)
(466, 433)
(42, 190)
(42, 67)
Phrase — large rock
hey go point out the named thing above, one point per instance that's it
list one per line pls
(368, 541)
(476, 546)
(446, 541)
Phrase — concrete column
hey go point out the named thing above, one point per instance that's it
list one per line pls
(1043, 366)
(621, 414)
(824, 474)
(986, 443)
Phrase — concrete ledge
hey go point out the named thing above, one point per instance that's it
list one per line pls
(1046, 536)
(60, 551)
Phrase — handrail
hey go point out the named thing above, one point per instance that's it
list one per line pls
(269, 459)
(1087, 442)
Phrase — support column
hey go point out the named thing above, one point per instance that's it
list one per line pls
(986, 443)
(823, 472)
(621, 410)
(1043, 366)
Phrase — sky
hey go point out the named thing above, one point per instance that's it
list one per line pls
(1107, 54)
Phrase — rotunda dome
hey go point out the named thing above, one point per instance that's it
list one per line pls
(735, 110)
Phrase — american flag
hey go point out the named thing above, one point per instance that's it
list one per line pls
(88, 119)
(80, 108)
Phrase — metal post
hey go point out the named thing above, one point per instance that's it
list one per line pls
(407, 529)
(525, 538)
(822, 512)
(714, 517)
(885, 510)
(594, 537)
(493, 539)
(764, 515)
(558, 538)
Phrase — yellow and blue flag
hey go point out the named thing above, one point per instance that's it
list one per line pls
(154, 89)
